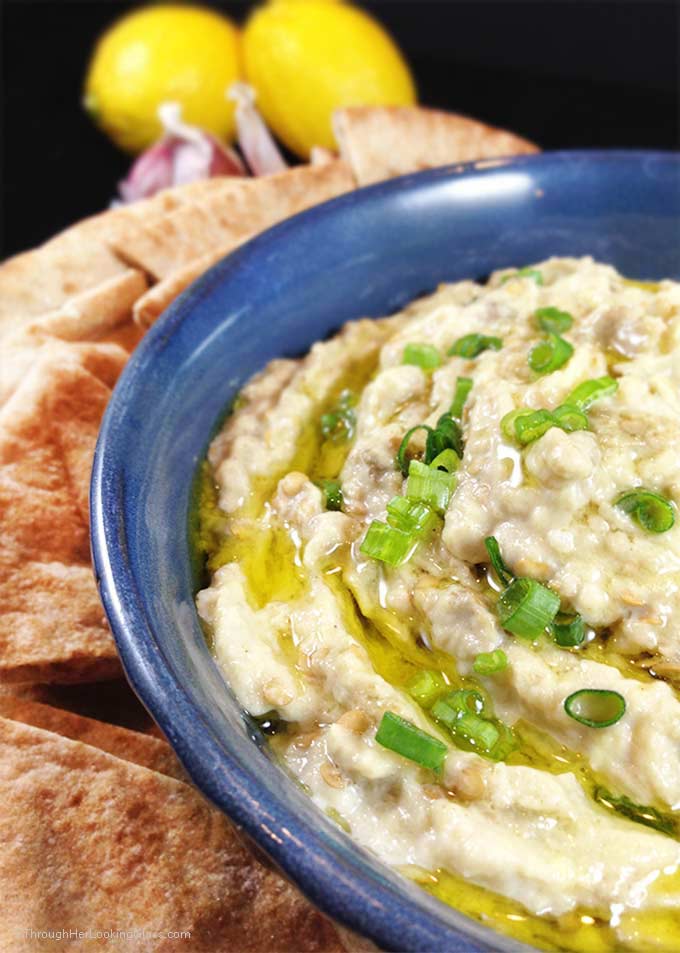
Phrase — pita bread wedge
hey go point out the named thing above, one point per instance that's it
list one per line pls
(380, 142)
(102, 313)
(131, 746)
(91, 841)
(52, 626)
(240, 208)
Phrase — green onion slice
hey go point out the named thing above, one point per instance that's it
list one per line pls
(651, 511)
(568, 631)
(446, 460)
(472, 345)
(463, 388)
(425, 687)
(508, 422)
(595, 707)
(389, 545)
(411, 516)
(490, 663)
(532, 273)
(640, 813)
(402, 462)
(588, 392)
(549, 355)
(526, 608)
(429, 485)
(569, 418)
(332, 492)
(504, 575)
(553, 320)
(529, 427)
(410, 742)
(447, 435)
(422, 355)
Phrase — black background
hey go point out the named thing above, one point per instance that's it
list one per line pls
(564, 73)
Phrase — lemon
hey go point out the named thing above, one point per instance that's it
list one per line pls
(307, 57)
(185, 54)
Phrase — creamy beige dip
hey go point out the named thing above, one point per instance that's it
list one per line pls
(323, 639)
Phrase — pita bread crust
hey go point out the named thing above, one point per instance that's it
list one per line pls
(129, 745)
(52, 627)
(380, 142)
(232, 212)
(92, 841)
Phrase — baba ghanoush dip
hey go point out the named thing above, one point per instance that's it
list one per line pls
(444, 556)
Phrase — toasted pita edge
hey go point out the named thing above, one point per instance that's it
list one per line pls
(380, 142)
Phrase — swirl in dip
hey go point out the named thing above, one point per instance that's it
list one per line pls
(445, 577)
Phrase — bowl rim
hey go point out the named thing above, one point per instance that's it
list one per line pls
(404, 922)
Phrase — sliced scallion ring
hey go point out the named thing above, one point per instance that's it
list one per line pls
(651, 511)
(553, 320)
(568, 631)
(446, 460)
(411, 516)
(402, 462)
(490, 663)
(595, 707)
(472, 345)
(526, 608)
(532, 273)
(585, 395)
(332, 492)
(529, 427)
(549, 355)
(504, 575)
(447, 435)
(429, 485)
(425, 356)
(387, 544)
(570, 418)
(410, 742)
(425, 687)
(463, 388)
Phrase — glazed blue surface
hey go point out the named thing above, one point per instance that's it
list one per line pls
(367, 253)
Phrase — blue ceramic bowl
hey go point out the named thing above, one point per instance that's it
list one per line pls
(367, 253)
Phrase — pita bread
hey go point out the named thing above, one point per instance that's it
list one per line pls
(380, 142)
(52, 626)
(132, 746)
(237, 210)
(91, 841)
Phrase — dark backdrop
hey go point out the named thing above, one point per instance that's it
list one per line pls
(565, 73)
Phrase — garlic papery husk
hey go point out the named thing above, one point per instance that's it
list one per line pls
(183, 154)
(254, 138)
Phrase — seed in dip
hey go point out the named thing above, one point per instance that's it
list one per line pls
(445, 565)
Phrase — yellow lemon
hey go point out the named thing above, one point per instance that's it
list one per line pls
(157, 54)
(307, 57)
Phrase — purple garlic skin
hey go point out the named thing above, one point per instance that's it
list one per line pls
(183, 154)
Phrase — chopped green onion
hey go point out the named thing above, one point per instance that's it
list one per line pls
(490, 663)
(411, 516)
(447, 435)
(465, 700)
(532, 273)
(568, 631)
(410, 742)
(529, 427)
(426, 687)
(504, 575)
(422, 355)
(472, 345)
(526, 608)
(649, 510)
(641, 814)
(569, 418)
(553, 320)
(595, 707)
(549, 355)
(402, 462)
(388, 544)
(446, 460)
(332, 492)
(588, 392)
(508, 422)
(477, 731)
(339, 424)
(429, 485)
(463, 388)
